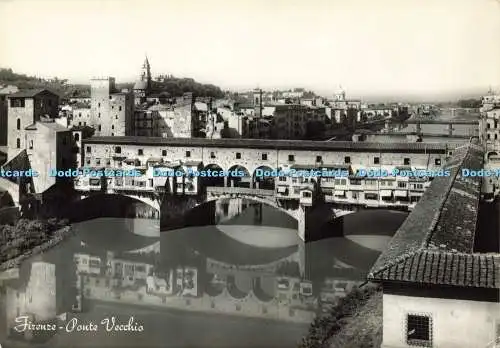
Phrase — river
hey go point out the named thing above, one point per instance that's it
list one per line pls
(436, 129)
(234, 284)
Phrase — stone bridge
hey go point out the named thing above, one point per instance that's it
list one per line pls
(174, 210)
(419, 124)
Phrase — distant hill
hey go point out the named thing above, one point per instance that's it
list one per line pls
(60, 86)
(176, 86)
(173, 86)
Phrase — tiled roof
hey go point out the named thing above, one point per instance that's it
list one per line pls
(29, 93)
(276, 144)
(435, 244)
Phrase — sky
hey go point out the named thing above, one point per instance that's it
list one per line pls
(369, 47)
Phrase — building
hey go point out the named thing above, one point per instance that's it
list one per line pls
(291, 121)
(25, 108)
(50, 146)
(146, 123)
(143, 86)
(4, 92)
(81, 116)
(80, 133)
(341, 102)
(249, 155)
(489, 130)
(111, 112)
(439, 290)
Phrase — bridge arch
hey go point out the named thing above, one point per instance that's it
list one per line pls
(236, 181)
(266, 182)
(491, 154)
(114, 205)
(218, 181)
(255, 199)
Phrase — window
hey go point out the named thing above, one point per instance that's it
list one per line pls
(77, 137)
(419, 330)
(401, 184)
(89, 149)
(31, 145)
(212, 154)
(319, 159)
(163, 152)
(264, 157)
(113, 126)
(140, 152)
(188, 153)
(98, 105)
(119, 108)
(112, 134)
(291, 158)
(437, 161)
(99, 115)
(376, 160)
(118, 149)
(18, 143)
(18, 124)
(406, 161)
(238, 155)
(17, 103)
(88, 162)
(347, 160)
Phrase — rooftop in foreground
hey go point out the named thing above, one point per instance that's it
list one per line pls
(275, 144)
(435, 244)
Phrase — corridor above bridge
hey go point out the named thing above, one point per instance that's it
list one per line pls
(252, 154)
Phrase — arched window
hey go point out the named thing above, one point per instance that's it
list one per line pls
(18, 124)
(18, 143)
(77, 137)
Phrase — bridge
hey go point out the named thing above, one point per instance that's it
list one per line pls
(311, 201)
(420, 122)
(311, 204)
(458, 122)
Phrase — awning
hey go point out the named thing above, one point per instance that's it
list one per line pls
(400, 193)
(385, 193)
(339, 193)
(282, 189)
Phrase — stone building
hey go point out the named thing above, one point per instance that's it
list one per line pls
(4, 92)
(143, 86)
(111, 112)
(439, 288)
(80, 133)
(489, 133)
(25, 108)
(49, 146)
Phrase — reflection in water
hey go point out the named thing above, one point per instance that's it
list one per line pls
(196, 287)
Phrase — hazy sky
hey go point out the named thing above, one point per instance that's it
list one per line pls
(393, 47)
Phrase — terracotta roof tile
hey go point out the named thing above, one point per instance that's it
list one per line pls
(435, 244)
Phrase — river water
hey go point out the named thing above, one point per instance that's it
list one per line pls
(239, 283)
